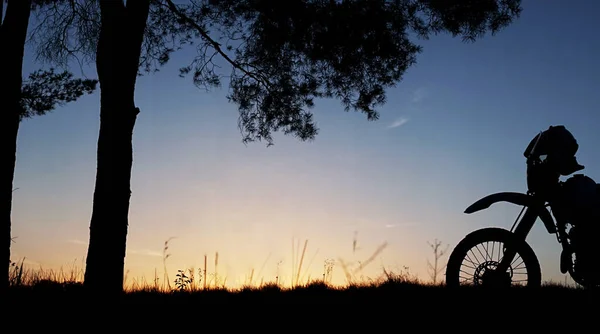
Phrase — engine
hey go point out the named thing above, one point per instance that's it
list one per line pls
(580, 205)
(580, 201)
(586, 260)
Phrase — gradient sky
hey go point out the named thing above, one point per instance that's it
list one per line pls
(453, 130)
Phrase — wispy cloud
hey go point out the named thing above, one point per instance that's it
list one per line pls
(77, 242)
(405, 224)
(146, 252)
(416, 97)
(398, 122)
(419, 95)
(369, 225)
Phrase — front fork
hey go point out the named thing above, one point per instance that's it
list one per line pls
(521, 229)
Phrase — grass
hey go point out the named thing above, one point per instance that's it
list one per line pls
(393, 300)
(398, 292)
(393, 292)
(196, 281)
(200, 279)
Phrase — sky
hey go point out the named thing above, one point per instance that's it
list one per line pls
(452, 131)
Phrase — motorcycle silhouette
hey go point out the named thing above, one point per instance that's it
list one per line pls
(569, 209)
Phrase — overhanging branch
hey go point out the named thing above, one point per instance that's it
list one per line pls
(215, 44)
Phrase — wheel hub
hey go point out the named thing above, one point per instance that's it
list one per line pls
(487, 274)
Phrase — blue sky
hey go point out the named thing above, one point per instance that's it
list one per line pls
(452, 131)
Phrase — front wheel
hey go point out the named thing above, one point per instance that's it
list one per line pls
(475, 259)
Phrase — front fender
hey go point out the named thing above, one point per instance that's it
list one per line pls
(518, 199)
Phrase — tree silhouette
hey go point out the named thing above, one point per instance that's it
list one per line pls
(41, 93)
(45, 90)
(283, 55)
(286, 54)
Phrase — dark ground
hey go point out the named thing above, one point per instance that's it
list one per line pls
(387, 295)
(391, 306)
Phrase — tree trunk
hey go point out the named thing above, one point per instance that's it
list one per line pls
(117, 62)
(109, 223)
(9, 127)
(13, 32)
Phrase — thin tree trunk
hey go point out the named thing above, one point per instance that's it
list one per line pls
(109, 223)
(117, 63)
(9, 127)
(13, 33)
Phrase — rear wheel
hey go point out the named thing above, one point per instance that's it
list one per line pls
(475, 259)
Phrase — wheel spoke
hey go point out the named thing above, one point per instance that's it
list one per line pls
(482, 269)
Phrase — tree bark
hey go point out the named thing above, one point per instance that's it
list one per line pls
(13, 33)
(117, 63)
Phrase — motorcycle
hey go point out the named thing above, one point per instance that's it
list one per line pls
(568, 209)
